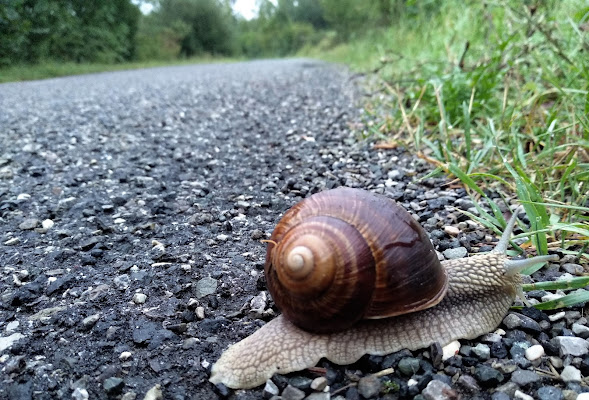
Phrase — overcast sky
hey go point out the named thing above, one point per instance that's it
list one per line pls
(247, 8)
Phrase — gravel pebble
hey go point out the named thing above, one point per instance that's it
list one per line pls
(292, 393)
(534, 352)
(369, 386)
(436, 390)
(571, 346)
(570, 374)
(458, 252)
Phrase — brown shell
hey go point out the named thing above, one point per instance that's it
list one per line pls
(352, 255)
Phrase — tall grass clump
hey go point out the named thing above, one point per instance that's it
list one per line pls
(496, 94)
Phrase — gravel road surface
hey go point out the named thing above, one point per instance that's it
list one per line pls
(132, 205)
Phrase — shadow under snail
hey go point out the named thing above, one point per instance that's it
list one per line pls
(355, 274)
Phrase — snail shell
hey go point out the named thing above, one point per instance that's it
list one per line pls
(346, 254)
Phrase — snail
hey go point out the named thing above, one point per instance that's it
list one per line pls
(326, 249)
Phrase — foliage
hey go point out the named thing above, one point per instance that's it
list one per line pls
(68, 30)
(209, 25)
(497, 95)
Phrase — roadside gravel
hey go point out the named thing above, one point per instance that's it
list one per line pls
(132, 205)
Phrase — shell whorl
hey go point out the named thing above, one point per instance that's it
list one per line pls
(346, 254)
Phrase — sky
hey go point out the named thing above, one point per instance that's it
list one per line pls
(247, 8)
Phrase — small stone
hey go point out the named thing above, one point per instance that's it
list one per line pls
(556, 362)
(205, 286)
(522, 396)
(139, 298)
(583, 396)
(450, 350)
(300, 382)
(258, 303)
(488, 376)
(504, 366)
(11, 326)
(270, 389)
(222, 237)
(189, 343)
(113, 385)
(438, 390)
(534, 352)
(80, 394)
(482, 351)
(89, 321)
(257, 234)
(12, 241)
(408, 366)
(581, 330)
(125, 355)
(47, 224)
(573, 269)
(200, 312)
(155, 393)
(549, 393)
(458, 252)
(318, 396)
(369, 386)
(491, 338)
(569, 345)
(555, 317)
(122, 282)
(468, 384)
(451, 230)
(516, 320)
(292, 393)
(28, 224)
(508, 388)
(525, 378)
(319, 384)
(570, 374)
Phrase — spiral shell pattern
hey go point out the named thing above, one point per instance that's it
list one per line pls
(347, 254)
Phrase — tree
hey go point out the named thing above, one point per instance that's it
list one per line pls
(210, 25)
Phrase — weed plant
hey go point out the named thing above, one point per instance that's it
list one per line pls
(495, 94)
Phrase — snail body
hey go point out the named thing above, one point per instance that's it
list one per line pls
(467, 298)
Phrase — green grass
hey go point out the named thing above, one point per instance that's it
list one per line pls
(54, 69)
(496, 95)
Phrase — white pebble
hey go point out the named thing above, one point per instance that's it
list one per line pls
(222, 237)
(139, 298)
(125, 355)
(23, 196)
(535, 352)
(583, 396)
(570, 374)
(11, 326)
(555, 317)
(412, 382)
(319, 384)
(47, 224)
(11, 242)
(450, 350)
(200, 312)
(155, 393)
(119, 221)
(451, 230)
(522, 396)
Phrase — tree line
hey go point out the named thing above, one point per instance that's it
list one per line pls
(112, 31)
